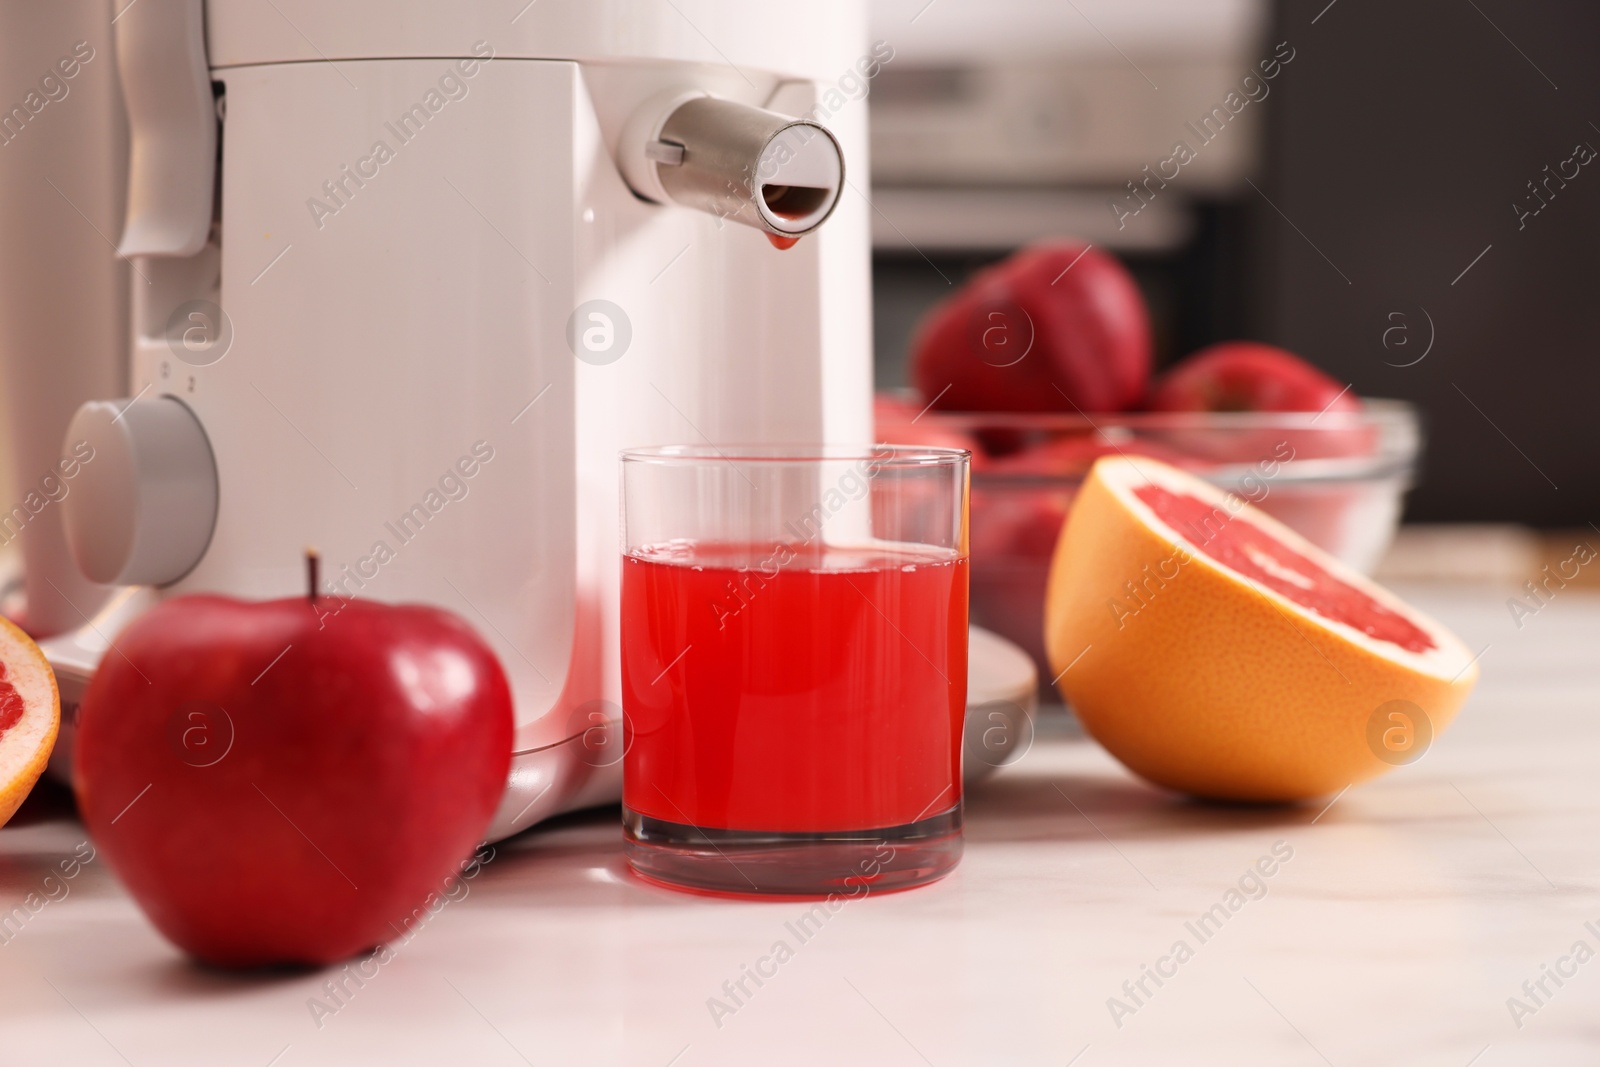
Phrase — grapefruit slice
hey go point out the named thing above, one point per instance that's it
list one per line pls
(30, 712)
(1216, 652)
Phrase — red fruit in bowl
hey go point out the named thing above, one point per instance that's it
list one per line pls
(1073, 455)
(276, 783)
(1020, 502)
(897, 421)
(1023, 498)
(1013, 535)
(1059, 326)
(1246, 376)
(1243, 376)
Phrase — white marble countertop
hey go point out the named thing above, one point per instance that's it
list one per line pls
(1411, 910)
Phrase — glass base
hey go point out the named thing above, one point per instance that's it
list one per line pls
(846, 863)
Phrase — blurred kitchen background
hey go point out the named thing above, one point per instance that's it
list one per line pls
(1366, 211)
(1390, 209)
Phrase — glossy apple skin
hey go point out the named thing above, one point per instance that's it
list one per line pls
(1247, 376)
(1074, 310)
(363, 765)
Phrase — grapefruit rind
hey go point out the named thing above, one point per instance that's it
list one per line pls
(1210, 682)
(25, 746)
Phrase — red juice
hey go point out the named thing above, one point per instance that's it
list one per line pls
(793, 687)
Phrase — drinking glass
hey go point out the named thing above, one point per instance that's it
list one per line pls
(794, 662)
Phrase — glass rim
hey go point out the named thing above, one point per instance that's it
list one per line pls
(890, 455)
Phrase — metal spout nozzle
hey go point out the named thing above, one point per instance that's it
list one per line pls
(776, 173)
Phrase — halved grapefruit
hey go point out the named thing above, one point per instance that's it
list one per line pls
(30, 713)
(1216, 652)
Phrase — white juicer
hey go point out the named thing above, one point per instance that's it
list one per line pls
(403, 277)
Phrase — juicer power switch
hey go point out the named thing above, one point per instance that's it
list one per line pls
(143, 504)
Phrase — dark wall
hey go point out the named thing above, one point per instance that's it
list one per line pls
(1398, 143)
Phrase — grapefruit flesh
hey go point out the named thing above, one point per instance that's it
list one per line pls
(30, 713)
(1216, 652)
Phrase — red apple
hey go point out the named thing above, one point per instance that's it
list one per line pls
(277, 783)
(1059, 326)
(1246, 376)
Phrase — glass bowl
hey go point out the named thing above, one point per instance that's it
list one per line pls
(1336, 478)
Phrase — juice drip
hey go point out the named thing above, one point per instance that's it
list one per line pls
(793, 688)
(781, 242)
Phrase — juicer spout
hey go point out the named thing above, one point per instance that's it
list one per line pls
(777, 173)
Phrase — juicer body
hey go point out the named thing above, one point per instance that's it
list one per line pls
(425, 309)
(63, 293)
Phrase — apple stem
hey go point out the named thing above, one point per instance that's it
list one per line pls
(313, 565)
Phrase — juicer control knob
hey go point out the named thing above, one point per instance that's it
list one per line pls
(140, 507)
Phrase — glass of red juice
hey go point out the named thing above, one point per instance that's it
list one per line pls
(794, 666)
